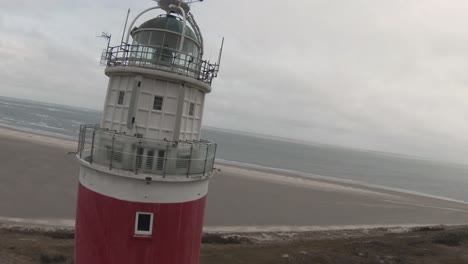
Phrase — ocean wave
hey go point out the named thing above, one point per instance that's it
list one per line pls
(9, 104)
(44, 116)
(45, 125)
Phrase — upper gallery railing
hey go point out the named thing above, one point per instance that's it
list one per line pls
(145, 156)
(162, 59)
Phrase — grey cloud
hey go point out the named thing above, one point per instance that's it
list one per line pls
(383, 75)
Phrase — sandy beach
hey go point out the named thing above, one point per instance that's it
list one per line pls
(38, 182)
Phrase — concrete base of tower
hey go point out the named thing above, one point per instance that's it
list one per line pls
(107, 231)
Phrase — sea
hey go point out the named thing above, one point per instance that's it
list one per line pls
(389, 171)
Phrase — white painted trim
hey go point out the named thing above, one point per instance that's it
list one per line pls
(138, 190)
(146, 233)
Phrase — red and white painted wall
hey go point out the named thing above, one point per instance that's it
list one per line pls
(122, 221)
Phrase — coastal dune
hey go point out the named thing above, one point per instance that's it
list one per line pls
(39, 178)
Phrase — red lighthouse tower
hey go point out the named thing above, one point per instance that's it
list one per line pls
(144, 171)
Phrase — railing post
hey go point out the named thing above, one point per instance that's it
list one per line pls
(206, 158)
(110, 51)
(92, 147)
(80, 142)
(214, 155)
(138, 158)
(165, 161)
(112, 152)
(190, 160)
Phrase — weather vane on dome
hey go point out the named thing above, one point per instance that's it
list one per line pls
(169, 5)
(185, 1)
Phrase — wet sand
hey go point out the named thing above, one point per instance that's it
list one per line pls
(38, 183)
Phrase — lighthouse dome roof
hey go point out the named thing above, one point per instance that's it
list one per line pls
(169, 23)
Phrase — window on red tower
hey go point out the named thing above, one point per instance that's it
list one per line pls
(144, 223)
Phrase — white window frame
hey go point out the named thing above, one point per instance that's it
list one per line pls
(162, 102)
(146, 233)
(191, 109)
(123, 97)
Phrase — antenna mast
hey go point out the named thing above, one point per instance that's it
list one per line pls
(125, 26)
(106, 36)
(220, 53)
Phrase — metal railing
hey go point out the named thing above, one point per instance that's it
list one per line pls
(160, 58)
(145, 156)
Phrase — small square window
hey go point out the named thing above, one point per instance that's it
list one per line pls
(158, 102)
(144, 223)
(121, 98)
(191, 109)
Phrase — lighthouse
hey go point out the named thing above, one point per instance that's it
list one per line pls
(144, 171)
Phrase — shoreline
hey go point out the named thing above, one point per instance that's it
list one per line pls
(241, 198)
(275, 233)
(333, 180)
(39, 137)
(69, 224)
(68, 142)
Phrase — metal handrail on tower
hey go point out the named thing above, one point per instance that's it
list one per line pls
(160, 58)
(113, 150)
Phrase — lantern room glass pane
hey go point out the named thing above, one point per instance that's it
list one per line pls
(136, 39)
(171, 41)
(156, 39)
(143, 38)
(189, 46)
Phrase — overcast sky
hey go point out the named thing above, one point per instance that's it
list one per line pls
(372, 74)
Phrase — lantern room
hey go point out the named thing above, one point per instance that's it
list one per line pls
(170, 42)
(162, 37)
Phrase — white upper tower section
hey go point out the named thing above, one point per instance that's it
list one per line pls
(153, 110)
(158, 78)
